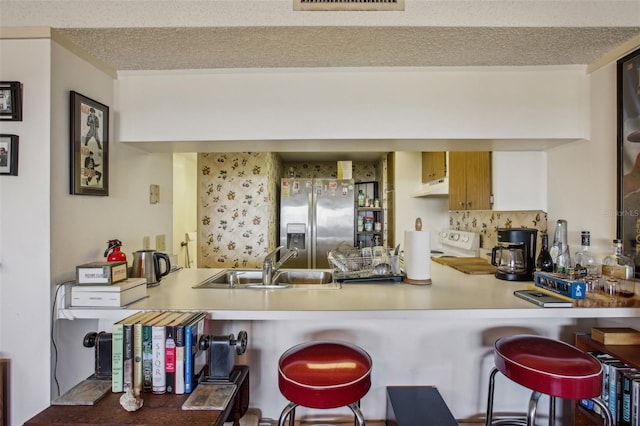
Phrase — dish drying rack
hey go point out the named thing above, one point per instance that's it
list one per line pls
(365, 264)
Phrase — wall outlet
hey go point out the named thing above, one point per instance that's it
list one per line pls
(161, 242)
(146, 243)
(154, 194)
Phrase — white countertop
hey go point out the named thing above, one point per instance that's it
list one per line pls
(452, 294)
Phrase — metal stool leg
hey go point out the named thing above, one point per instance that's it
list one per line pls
(552, 410)
(608, 420)
(355, 407)
(289, 410)
(533, 405)
(492, 380)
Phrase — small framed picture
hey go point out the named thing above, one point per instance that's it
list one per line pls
(89, 146)
(9, 155)
(10, 100)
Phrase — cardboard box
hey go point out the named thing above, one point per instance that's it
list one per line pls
(101, 273)
(116, 295)
(345, 170)
(616, 335)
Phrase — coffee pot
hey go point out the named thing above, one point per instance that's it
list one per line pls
(146, 264)
(514, 255)
(509, 258)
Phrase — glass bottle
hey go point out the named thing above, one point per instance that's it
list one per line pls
(617, 273)
(584, 258)
(560, 249)
(544, 262)
(360, 198)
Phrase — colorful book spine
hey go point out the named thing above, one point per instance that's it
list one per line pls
(170, 357)
(147, 357)
(138, 361)
(179, 336)
(158, 379)
(193, 330)
(137, 358)
(116, 357)
(635, 402)
(626, 409)
(118, 351)
(127, 358)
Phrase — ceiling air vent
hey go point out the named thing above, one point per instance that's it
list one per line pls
(348, 5)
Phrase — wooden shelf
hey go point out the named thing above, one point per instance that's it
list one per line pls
(629, 354)
(162, 409)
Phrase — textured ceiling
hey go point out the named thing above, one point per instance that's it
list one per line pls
(276, 47)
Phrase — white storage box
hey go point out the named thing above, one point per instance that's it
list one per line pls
(114, 295)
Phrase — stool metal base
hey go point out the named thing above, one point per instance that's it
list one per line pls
(290, 412)
(530, 418)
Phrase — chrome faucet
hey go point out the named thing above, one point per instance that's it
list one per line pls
(268, 267)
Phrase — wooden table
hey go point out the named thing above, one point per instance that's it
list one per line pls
(157, 409)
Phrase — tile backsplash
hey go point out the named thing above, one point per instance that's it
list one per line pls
(485, 222)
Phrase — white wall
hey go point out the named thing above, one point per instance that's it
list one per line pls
(84, 224)
(581, 180)
(25, 232)
(519, 180)
(45, 232)
(432, 211)
(466, 103)
(185, 197)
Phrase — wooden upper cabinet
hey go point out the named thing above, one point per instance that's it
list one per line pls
(434, 166)
(470, 180)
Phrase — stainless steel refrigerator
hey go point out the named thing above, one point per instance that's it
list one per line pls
(316, 215)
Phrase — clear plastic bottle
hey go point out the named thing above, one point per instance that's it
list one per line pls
(360, 198)
(617, 273)
(583, 257)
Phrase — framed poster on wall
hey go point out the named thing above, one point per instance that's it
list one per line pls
(628, 85)
(89, 146)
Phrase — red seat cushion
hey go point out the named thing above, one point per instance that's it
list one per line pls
(324, 374)
(549, 366)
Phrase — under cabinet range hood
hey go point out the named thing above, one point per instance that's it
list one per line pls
(437, 188)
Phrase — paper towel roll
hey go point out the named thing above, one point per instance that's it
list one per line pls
(417, 256)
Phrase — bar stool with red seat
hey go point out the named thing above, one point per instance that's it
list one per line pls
(324, 374)
(549, 367)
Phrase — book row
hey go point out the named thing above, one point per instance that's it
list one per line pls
(157, 351)
(620, 391)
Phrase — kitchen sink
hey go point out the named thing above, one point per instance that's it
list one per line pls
(303, 276)
(287, 278)
(227, 278)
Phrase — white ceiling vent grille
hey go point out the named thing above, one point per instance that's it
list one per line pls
(348, 5)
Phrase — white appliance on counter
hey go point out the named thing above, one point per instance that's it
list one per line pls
(454, 243)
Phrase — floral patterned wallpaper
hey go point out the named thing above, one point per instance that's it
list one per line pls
(238, 203)
(361, 171)
(485, 222)
(236, 208)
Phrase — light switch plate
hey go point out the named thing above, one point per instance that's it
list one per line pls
(146, 243)
(154, 194)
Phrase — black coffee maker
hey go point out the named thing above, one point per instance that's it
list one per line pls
(515, 254)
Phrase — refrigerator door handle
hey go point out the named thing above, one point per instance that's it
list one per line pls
(313, 248)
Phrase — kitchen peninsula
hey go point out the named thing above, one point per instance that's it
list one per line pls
(438, 335)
